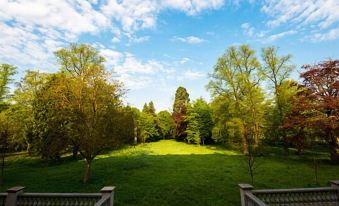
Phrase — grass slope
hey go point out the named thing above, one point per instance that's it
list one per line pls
(166, 173)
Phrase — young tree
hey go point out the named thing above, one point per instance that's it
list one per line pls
(179, 113)
(322, 80)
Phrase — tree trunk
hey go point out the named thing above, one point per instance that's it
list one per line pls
(88, 166)
(334, 149)
(75, 151)
(3, 155)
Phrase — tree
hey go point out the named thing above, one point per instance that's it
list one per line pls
(222, 116)
(6, 72)
(199, 129)
(277, 70)
(166, 124)
(22, 111)
(322, 80)
(193, 133)
(8, 130)
(94, 100)
(298, 121)
(148, 128)
(179, 113)
(51, 118)
(236, 76)
(77, 58)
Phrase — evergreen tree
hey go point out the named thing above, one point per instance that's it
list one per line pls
(179, 113)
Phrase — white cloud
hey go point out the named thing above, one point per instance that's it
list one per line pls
(321, 12)
(189, 39)
(191, 75)
(247, 29)
(115, 40)
(184, 60)
(277, 36)
(193, 7)
(330, 35)
(112, 57)
(135, 39)
(139, 14)
(132, 65)
(31, 30)
(313, 16)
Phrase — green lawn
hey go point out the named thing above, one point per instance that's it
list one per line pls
(166, 173)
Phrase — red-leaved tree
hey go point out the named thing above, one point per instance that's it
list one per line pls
(322, 82)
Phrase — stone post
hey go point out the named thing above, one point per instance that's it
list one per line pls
(335, 184)
(107, 191)
(244, 188)
(12, 195)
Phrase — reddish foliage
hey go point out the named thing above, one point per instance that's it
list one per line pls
(316, 107)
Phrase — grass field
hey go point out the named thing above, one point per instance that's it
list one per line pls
(166, 173)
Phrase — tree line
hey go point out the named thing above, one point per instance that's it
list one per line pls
(79, 108)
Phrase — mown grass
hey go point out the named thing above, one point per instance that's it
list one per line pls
(167, 173)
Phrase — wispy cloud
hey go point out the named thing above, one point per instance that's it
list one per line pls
(320, 17)
(247, 29)
(277, 36)
(31, 30)
(192, 75)
(189, 39)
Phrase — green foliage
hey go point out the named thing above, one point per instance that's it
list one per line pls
(149, 109)
(166, 124)
(148, 128)
(51, 123)
(200, 124)
(78, 57)
(181, 102)
(6, 72)
(236, 78)
(277, 69)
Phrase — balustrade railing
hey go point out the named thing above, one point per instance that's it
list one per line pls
(326, 196)
(3, 199)
(16, 197)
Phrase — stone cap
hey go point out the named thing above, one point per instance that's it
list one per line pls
(245, 186)
(107, 189)
(15, 189)
(334, 182)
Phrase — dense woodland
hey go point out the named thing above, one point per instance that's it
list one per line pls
(79, 110)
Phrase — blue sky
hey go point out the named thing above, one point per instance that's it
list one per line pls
(155, 46)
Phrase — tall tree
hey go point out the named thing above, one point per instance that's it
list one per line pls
(179, 113)
(94, 99)
(322, 80)
(236, 77)
(277, 70)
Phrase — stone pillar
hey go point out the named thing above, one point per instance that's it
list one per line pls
(12, 195)
(244, 188)
(335, 184)
(107, 191)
